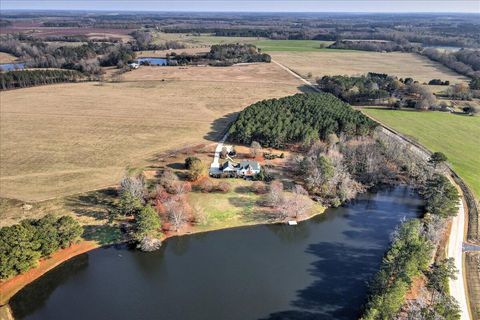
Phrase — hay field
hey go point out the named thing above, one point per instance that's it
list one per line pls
(67, 138)
(201, 40)
(348, 62)
(7, 57)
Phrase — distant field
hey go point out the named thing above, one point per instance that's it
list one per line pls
(457, 136)
(203, 40)
(7, 58)
(292, 45)
(62, 139)
(347, 62)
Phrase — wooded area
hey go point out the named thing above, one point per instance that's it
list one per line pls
(29, 78)
(300, 118)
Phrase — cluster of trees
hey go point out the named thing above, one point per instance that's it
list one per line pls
(228, 54)
(28, 78)
(438, 82)
(438, 304)
(326, 175)
(441, 197)
(143, 40)
(117, 56)
(376, 88)
(459, 91)
(362, 89)
(464, 61)
(85, 58)
(164, 207)
(23, 244)
(146, 230)
(38, 54)
(300, 118)
(294, 205)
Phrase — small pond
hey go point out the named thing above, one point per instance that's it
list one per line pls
(11, 66)
(153, 61)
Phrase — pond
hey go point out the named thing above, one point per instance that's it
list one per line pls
(11, 66)
(153, 61)
(316, 270)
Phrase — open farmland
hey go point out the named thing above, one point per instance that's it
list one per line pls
(68, 138)
(348, 62)
(199, 40)
(7, 58)
(455, 135)
(292, 45)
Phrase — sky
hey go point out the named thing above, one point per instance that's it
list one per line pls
(464, 6)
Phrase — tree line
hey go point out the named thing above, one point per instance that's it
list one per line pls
(464, 61)
(375, 45)
(23, 244)
(300, 118)
(220, 55)
(29, 78)
(86, 58)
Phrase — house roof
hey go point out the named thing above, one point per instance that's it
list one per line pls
(228, 165)
(249, 164)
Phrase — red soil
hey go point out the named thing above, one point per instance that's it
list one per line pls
(9, 287)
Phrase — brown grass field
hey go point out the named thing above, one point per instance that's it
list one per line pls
(7, 58)
(347, 62)
(163, 53)
(69, 138)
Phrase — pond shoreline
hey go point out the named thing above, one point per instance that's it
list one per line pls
(10, 287)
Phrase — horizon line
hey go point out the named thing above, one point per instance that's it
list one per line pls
(270, 12)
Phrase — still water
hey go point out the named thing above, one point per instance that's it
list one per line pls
(153, 61)
(316, 270)
(11, 66)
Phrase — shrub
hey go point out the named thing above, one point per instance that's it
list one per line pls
(224, 187)
(259, 187)
(206, 185)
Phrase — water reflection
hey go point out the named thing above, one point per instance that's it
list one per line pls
(315, 270)
(35, 295)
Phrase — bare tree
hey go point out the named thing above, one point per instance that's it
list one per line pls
(255, 149)
(134, 186)
(275, 194)
(177, 210)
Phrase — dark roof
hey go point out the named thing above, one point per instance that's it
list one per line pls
(254, 165)
(229, 165)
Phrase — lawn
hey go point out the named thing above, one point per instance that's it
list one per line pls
(62, 139)
(239, 207)
(292, 45)
(457, 136)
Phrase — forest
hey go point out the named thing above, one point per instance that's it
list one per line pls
(300, 118)
(29, 78)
